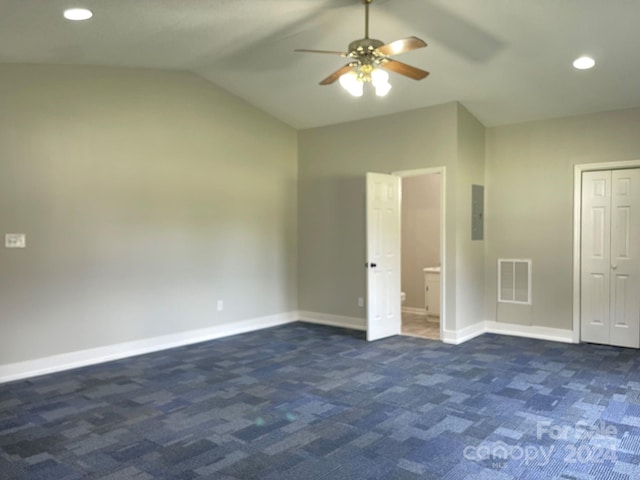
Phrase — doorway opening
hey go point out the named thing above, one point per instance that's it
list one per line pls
(420, 255)
(384, 252)
(423, 252)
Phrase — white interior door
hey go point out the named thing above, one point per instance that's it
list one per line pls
(625, 258)
(596, 248)
(610, 263)
(383, 256)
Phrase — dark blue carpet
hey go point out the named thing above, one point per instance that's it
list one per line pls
(311, 402)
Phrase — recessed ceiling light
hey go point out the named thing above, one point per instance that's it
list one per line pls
(584, 63)
(78, 14)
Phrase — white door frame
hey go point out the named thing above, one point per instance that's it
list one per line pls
(577, 213)
(443, 236)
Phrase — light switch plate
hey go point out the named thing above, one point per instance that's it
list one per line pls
(15, 240)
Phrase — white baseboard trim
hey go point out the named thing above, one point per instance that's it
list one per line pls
(333, 320)
(530, 331)
(456, 337)
(453, 337)
(414, 310)
(83, 358)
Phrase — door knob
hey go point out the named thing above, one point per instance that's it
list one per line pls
(372, 265)
(614, 267)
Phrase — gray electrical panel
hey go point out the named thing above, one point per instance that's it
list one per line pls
(477, 212)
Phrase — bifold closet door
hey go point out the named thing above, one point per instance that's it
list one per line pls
(610, 263)
(595, 251)
(625, 258)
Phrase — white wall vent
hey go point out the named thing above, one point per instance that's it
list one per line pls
(514, 281)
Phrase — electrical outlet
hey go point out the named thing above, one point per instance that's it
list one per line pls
(360, 302)
(220, 305)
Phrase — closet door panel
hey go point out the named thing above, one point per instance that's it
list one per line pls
(625, 258)
(595, 255)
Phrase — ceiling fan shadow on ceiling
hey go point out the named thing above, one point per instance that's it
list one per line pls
(460, 35)
(370, 59)
(267, 50)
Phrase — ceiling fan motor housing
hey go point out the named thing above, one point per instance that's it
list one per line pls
(364, 45)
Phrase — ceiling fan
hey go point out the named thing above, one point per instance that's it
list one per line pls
(369, 58)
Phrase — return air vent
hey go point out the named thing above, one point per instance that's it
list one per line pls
(514, 281)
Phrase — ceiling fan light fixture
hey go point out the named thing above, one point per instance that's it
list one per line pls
(380, 80)
(352, 84)
(77, 14)
(584, 63)
(379, 77)
(382, 89)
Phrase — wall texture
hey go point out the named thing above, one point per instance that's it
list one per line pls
(146, 196)
(420, 234)
(530, 203)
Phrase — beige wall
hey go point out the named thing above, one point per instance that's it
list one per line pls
(331, 228)
(469, 253)
(530, 203)
(333, 162)
(420, 234)
(145, 196)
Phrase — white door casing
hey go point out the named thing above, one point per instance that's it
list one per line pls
(383, 256)
(610, 258)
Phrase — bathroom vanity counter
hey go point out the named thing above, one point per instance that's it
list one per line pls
(431, 270)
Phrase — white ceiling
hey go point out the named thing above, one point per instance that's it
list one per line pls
(506, 60)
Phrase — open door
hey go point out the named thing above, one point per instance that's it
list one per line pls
(383, 256)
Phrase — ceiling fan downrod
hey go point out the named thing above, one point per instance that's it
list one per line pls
(366, 17)
(366, 45)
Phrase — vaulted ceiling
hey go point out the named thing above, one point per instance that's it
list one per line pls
(505, 60)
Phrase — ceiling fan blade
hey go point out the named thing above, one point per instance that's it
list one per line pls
(336, 75)
(403, 69)
(342, 54)
(401, 46)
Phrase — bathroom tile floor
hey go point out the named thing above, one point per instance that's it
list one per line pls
(423, 326)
